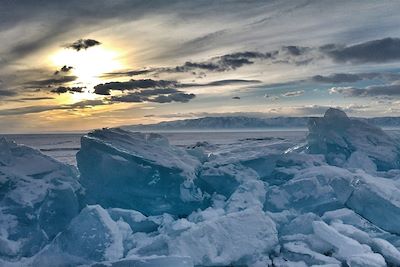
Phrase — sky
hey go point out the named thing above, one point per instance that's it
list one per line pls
(77, 65)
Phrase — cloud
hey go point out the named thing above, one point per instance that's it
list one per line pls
(295, 50)
(287, 54)
(157, 95)
(293, 93)
(39, 109)
(351, 78)
(155, 87)
(63, 89)
(295, 55)
(7, 93)
(369, 91)
(128, 73)
(338, 78)
(176, 97)
(87, 103)
(375, 51)
(104, 89)
(52, 81)
(225, 62)
(220, 83)
(65, 68)
(34, 98)
(82, 44)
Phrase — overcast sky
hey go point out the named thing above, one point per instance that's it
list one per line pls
(77, 65)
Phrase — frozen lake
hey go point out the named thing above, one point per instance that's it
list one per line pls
(64, 147)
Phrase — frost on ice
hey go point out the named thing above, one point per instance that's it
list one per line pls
(332, 199)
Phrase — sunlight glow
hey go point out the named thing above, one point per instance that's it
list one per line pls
(88, 64)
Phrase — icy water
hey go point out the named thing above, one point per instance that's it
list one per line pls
(64, 147)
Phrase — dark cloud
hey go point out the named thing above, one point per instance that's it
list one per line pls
(129, 98)
(63, 89)
(369, 91)
(64, 69)
(39, 109)
(295, 50)
(176, 97)
(159, 91)
(82, 44)
(157, 95)
(355, 77)
(7, 93)
(295, 55)
(35, 98)
(127, 73)
(190, 66)
(104, 89)
(28, 110)
(239, 59)
(223, 63)
(337, 78)
(52, 81)
(376, 51)
(87, 103)
(220, 83)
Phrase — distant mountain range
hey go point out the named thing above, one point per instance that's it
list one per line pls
(242, 122)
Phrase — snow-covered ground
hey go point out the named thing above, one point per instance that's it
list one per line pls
(331, 198)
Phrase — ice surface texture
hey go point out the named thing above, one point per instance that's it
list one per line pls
(339, 138)
(333, 200)
(138, 171)
(38, 199)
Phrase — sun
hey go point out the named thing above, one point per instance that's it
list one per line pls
(88, 65)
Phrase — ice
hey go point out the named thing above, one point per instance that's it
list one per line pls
(121, 169)
(378, 200)
(338, 137)
(92, 236)
(160, 261)
(141, 201)
(136, 220)
(235, 238)
(38, 199)
(347, 249)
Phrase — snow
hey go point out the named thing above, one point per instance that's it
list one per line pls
(332, 200)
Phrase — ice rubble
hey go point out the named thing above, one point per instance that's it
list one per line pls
(343, 139)
(254, 203)
(38, 199)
